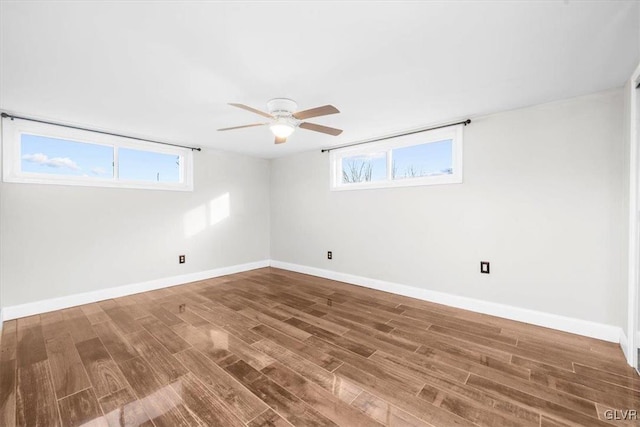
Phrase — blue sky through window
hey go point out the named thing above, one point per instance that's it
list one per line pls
(40, 154)
(434, 158)
(45, 155)
(139, 165)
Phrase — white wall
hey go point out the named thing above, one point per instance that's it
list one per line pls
(542, 200)
(62, 240)
(626, 171)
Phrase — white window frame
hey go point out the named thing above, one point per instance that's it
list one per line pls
(12, 131)
(453, 133)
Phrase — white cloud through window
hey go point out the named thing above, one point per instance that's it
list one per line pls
(54, 162)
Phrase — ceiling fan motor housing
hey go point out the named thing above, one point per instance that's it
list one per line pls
(282, 107)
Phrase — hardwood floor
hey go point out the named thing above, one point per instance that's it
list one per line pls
(275, 348)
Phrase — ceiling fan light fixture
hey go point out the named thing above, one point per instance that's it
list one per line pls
(282, 130)
(284, 118)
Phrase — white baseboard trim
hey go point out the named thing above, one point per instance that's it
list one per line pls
(44, 306)
(624, 345)
(554, 321)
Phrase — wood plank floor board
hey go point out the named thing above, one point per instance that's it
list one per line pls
(137, 310)
(560, 398)
(53, 325)
(244, 403)
(166, 367)
(229, 301)
(398, 375)
(104, 374)
(68, 372)
(478, 413)
(25, 322)
(584, 358)
(401, 397)
(117, 346)
(344, 390)
(221, 339)
(269, 347)
(580, 385)
(420, 365)
(166, 409)
(318, 398)
(352, 321)
(269, 418)
(462, 325)
(187, 316)
(259, 306)
(78, 324)
(165, 316)
(215, 316)
(365, 303)
(164, 334)
(122, 409)
(276, 324)
(575, 410)
(315, 321)
(621, 380)
(213, 345)
(203, 403)
(8, 373)
(140, 376)
(318, 357)
(124, 320)
(278, 398)
(223, 316)
(385, 413)
(532, 353)
(8, 383)
(339, 340)
(458, 347)
(373, 319)
(9, 340)
(445, 383)
(81, 409)
(36, 400)
(486, 367)
(94, 313)
(499, 341)
(30, 345)
(159, 400)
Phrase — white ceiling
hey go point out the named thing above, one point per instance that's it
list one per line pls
(166, 70)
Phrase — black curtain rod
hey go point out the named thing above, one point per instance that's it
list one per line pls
(465, 122)
(11, 116)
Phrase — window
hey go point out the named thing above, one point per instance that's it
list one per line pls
(428, 158)
(364, 168)
(48, 154)
(139, 165)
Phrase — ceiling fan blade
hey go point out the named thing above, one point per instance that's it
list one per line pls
(280, 140)
(244, 126)
(320, 128)
(253, 110)
(316, 112)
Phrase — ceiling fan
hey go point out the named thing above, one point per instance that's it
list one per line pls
(285, 119)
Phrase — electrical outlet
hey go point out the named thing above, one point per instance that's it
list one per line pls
(484, 267)
(329, 255)
(182, 259)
